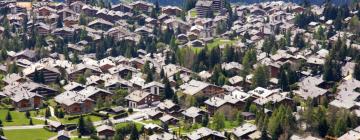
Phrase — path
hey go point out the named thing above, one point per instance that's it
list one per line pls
(23, 127)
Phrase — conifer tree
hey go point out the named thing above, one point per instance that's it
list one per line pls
(8, 117)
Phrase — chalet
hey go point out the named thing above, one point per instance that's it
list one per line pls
(122, 70)
(66, 12)
(309, 88)
(274, 99)
(63, 135)
(194, 114)
(170, 120)
(203, 8)
(77, 6)
(154, 114)
(70, 21)
(199, 88)
(115, 84)
(144, 31)
(105, 132)
(348, 96)
(163, 136)
(100, 24)
(41, 89)
(74, 86)
(142, 6)
(89, 11)
(153, 128)
(227, 103)
(171, 10)
(140, 99)
(121, 7)
(55, 126)
(204, 133)
(11, 78)
(50, 74)
(42, 28)
(95, 94)
(74, 103)
(64, 32)
(243, 131)
(236, 80)
(169, 107)
(154, 87)
(79, 69)
(22, 99)
(25, 54)
(45, 11)
(116, 110)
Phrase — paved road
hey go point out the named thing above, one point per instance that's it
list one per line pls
(23, 127)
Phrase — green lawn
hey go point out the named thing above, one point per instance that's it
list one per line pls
(193, 13)
(216, 42)
(75, 121)
(28, 134)
(219, 41)
(18, 118)
(125, 124)
(158, 122)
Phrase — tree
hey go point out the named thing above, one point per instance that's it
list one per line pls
(13, 68)
(81, 126)
(8, 117)
(47, 113)
(61, 114)
(75, 58)
(205, 120)
(134, 135)
(340, 126)
(356, 73)
(168, 91)
(190, 4)
(239, 118)
(81, 79)
(219, 121)
(283, 80)
(27, 114)
(261, 77)
(31, 122)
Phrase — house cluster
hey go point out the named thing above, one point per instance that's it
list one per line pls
(90, 81)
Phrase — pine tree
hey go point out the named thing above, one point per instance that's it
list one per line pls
(81, 126)
(8, 117)
(205, 120)
(219, 121)
(31, 122)
(134, 135)
(283, 80)
(356, 73)
(168, 92)
(261, 77)
(27, 114)
(47, 113)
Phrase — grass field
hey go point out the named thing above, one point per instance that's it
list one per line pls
(75, 121)
(125, 124)
(18, 118)
(28, 134)
(215, 43)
